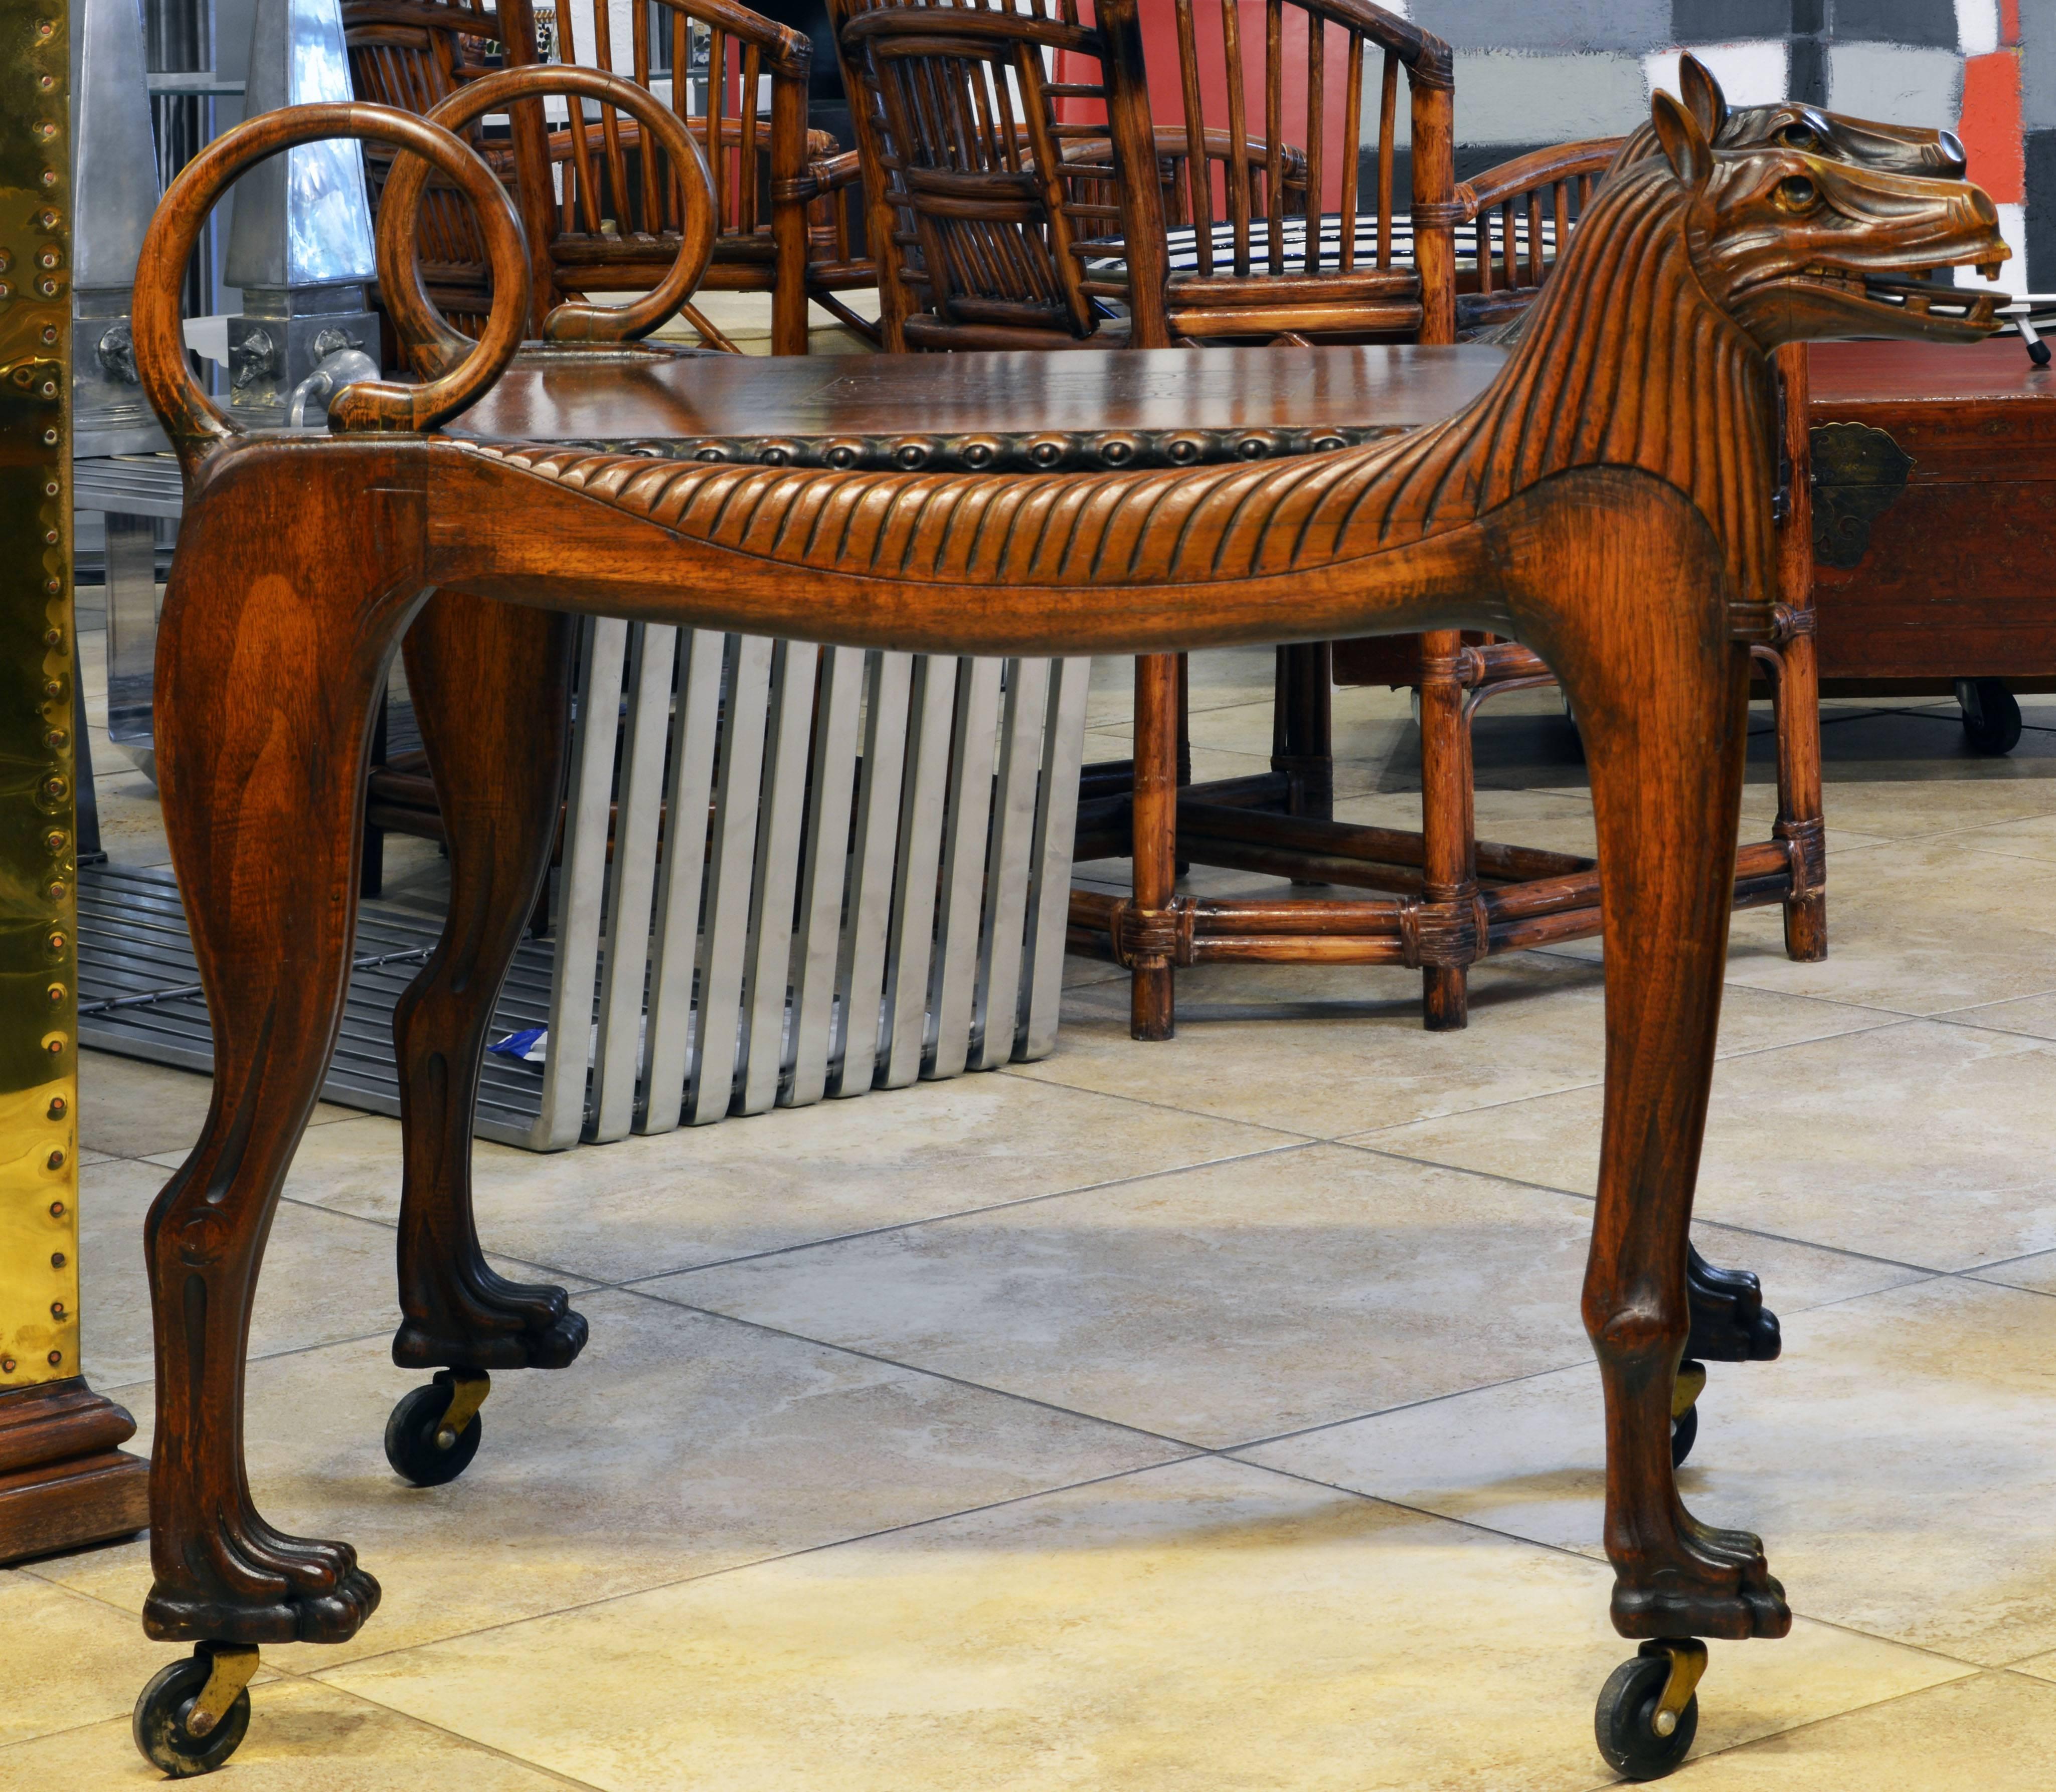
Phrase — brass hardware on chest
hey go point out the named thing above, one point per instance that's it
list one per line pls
(1857, 472)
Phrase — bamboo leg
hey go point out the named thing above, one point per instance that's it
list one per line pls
(1152, 1013)
(1448, 825)
(274, 645)
(490, 685)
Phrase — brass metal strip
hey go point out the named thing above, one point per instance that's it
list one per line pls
(38, 966)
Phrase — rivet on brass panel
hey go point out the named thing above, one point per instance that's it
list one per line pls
(53, 788)
(6, 1366)
(56, 740)
(56, 942)
(55, 1045)
(58, 1260)
(57, 1309)
(52, 689)
(49, 486)
(58, 1108)
(55, 1357)
(51, 585)
(56, 1206)
(53, 637)
(55, 994)
(55, 1160)
(54, 892)
(50, 440)
(53, 841)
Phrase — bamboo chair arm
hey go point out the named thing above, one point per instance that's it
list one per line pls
(424, 15)
(933, 24)
(1540, 168)
(786, 52)
(1425, 58)
(195, 424)
(431, 344)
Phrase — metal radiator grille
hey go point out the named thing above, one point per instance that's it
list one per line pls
(840, 870)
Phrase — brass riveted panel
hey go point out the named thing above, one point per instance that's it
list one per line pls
(38, 962)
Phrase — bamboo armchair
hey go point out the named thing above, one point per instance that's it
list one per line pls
(598, 218)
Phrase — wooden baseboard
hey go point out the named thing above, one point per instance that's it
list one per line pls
(64, 1482)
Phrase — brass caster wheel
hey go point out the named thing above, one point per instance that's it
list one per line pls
(433, 1432)
(1649, 1709)
(1685, 1394)
(194, 1715)
(1991, 716)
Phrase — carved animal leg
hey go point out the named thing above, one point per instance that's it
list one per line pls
(491, 686)
(268, 668)
(1661, 695)
(1729, 1322)
(1448, 824)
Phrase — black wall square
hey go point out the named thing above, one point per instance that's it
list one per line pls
(1932, 23)
(1716, 21)
(2039, 275)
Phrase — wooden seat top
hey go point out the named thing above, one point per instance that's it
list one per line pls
(1842, 374)
(1039, 411)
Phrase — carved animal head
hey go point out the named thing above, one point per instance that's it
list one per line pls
(1796, 245)
(1890, 148)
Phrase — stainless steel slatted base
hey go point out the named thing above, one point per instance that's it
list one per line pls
(762, 840)
(138, 995)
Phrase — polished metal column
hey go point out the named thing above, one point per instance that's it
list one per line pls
(63, 1480)
(300, 246)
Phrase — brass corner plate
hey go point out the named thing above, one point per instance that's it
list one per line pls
(38, 959)
(1858, 472)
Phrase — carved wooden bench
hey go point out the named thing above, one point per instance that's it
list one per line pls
(1599, 501)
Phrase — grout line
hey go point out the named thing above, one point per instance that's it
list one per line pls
(763, 1561)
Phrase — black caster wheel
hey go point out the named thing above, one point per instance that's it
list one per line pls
(422, 1443)
(1684, 1434)
(1630, 1724)
(1991, 716)
(164, 1710)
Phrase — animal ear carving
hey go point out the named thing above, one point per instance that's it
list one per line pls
(1685, 144)
(1702, 93)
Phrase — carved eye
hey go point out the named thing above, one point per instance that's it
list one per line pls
(1800, 136)
(1797, 194)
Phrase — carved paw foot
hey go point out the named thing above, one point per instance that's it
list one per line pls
(481, 1320)
(1712, 1584)
(250, 1583)
(1729, 1322)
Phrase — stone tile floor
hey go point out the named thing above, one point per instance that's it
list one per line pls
(1212, 1414)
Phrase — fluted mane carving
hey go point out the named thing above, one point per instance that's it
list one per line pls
(1627, 299)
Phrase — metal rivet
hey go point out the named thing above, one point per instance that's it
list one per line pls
(49, 436)
(51, 538)
(57, 1309)
(57, 1109)
(49, 177)
(48, 257)
(53, 637)
(44, 27)
(50, 485)
(6, 1366)
(5, 290)
(52, 586)
(55, 739)
(45, 83)
(54, 994)
(53, 788)
(55, 1160)
(54, 891)
(56, 942)
(58, 1260)
(56, 1206)
(54, 1045)
(48, 221)
(54, 842)
(55, 1357)
(52, 690)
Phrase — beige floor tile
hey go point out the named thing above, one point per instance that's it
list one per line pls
(304, 1737)
(2034, 1015)
(679, 1445)
(702, 1194)
(1907, 809)
(1219, 678)
(128, 1108)
(1898, 1462)
(327, 1276)
(1920, 1142)
(132, 820)
(1216, 1305)
(2032, 838)
(1920, 927)
(1201, 1627)
(1336, 1050)
(71, 1660)
(1992, 1733)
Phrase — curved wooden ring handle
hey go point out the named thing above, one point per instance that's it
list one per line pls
(190, 418)
(431, 344)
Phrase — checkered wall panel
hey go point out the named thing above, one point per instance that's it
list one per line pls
(1531, 72)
